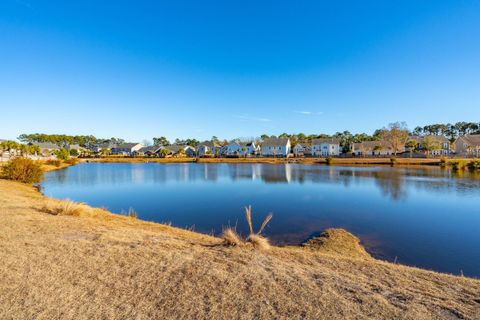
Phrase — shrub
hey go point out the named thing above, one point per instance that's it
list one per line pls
(443, 161)
(62, 154)
(23, 170)
(474, 164)
(74, 152)
(329, 160)
(393, 161)
(458, 165)
(53, 162)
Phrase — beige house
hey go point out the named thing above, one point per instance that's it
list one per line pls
(443, 144)
(374, 148)
(468, 145)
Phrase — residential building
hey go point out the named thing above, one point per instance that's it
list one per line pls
(374, 148)
(276, 147)
(208, 148)
(325, 147)
(237, 148)
(175, 150)
(442, 141)
(148, 151)
(127, 149)
(468, 145)
(302, 149)
(46, 148)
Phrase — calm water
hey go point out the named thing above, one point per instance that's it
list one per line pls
(426, 217)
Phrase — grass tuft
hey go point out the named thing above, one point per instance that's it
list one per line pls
(231, 238)
(63, 208)
(259, 242)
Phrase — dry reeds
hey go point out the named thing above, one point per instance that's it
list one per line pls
(63, 208)
(231, 238)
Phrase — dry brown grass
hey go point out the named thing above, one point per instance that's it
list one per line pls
(105, 266)
(66, 207)
(231, 238)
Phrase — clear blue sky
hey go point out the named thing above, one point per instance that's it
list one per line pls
(138, 69)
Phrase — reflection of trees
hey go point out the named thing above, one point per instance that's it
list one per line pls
(393, 182)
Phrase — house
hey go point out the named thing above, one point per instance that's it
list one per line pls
(237, 148)
(46, 148)
(276, 147)
(208, 148)
(127, 149)
(148, 151)
(468, 145)
(423, 141)
(302, 149)
(176, 150)
(103, 146)
(374, 148)
(325, 147)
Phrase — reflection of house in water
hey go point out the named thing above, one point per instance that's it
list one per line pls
(277, 173)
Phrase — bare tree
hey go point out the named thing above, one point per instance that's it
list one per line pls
(396, 135)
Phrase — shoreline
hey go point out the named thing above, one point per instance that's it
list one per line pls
(334, 161)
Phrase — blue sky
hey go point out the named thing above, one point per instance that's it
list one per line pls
(139, 69)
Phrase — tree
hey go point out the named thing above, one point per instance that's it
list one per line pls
(161, 141)
(412, 146)
(430, 144)
(62, 154)
(396, 135)
(163, 153)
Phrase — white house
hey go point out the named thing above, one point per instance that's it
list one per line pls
(237, 148)
(127, 149)
(326, 147)
(374, 148)
(208, 148)
(302, 149)
(468, 145)
(277, 147)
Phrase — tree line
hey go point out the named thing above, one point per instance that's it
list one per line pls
(346, 138)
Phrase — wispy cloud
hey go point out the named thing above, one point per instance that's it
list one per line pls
(24, 3)
(245, 118)
(309, 113)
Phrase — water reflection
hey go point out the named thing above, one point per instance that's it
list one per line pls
(392, 182)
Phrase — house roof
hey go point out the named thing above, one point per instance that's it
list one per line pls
(370, 145)
(209, 144)
(472, 139)
(273, 142)
(128, 145)
(174, 148)
(106, 145)
(420, 139)
(149, 149)
(46, 145)
(325, 140)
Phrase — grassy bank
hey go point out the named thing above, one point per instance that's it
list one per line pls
(335, 161)
(66, 261)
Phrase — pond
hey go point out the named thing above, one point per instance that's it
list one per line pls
(427, 217)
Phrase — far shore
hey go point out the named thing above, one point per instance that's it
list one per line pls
(307, 160)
